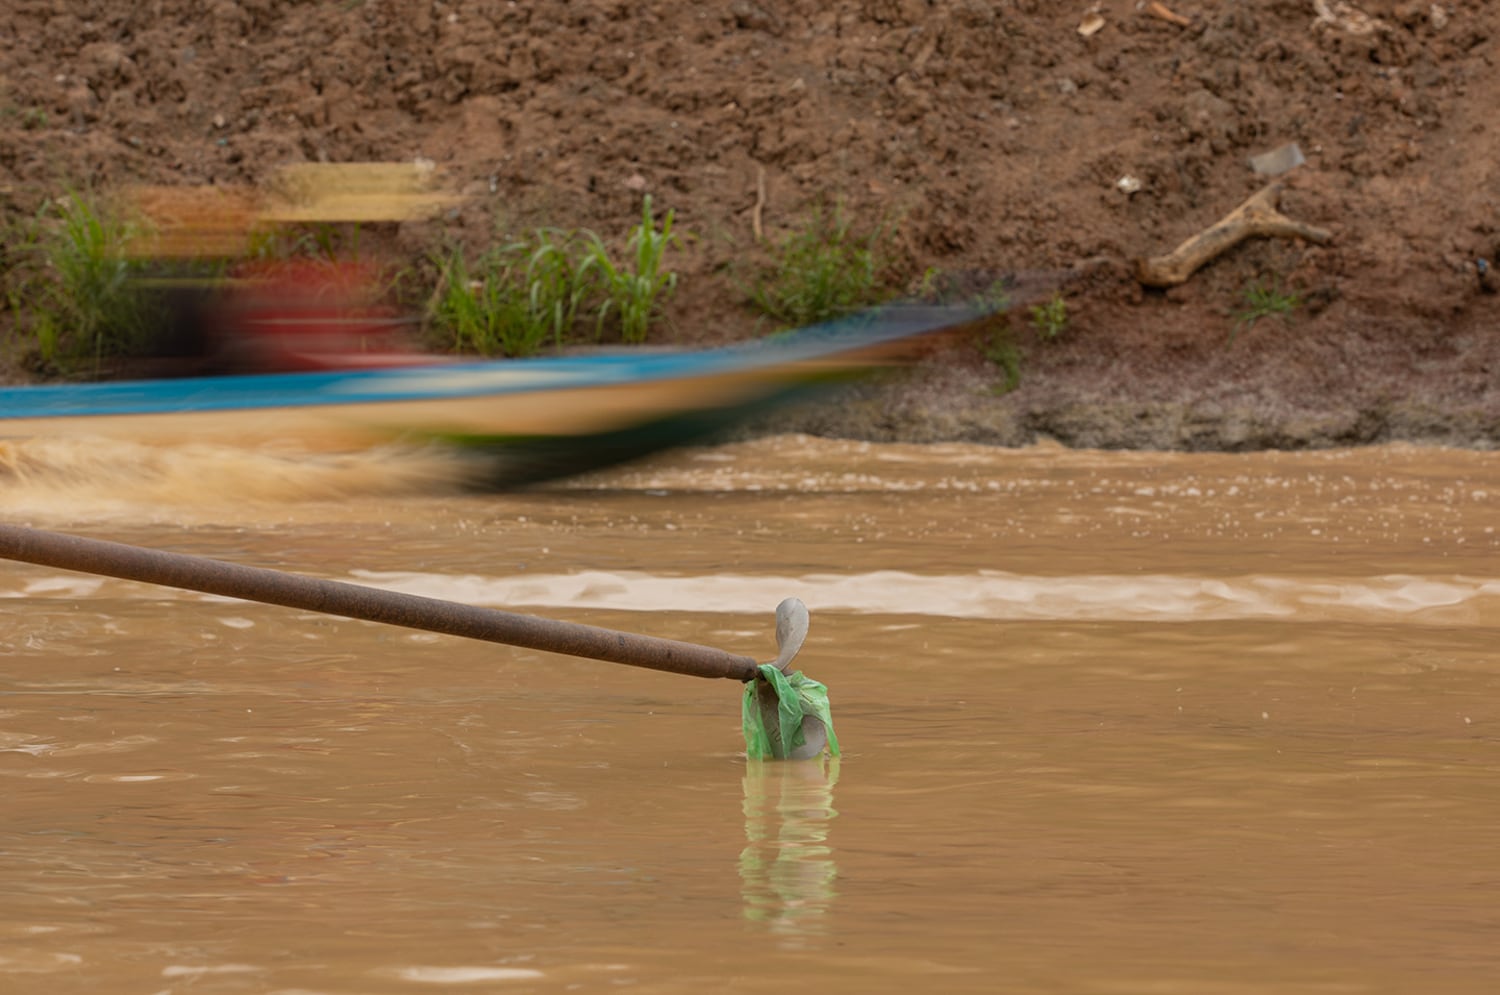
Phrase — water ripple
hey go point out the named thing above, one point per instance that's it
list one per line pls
(986, 595)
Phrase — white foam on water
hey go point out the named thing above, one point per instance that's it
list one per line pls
(465, 975)
(71, 585)
(37, 962)
(984, 594)
(202, 970)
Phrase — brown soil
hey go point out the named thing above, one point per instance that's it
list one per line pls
(994, 131)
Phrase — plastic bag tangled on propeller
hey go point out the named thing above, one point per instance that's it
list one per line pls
(785, 714)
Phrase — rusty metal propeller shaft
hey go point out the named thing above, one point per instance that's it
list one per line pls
(273, 587)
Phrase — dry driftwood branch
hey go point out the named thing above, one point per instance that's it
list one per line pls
(1257, 217)
(1165, 13)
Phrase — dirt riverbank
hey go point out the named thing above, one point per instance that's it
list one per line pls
(999, 136)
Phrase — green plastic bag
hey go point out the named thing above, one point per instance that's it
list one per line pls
(797, 695)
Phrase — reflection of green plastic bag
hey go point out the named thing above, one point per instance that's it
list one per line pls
(797, 695)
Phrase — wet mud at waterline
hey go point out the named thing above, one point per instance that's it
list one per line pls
(1111, 722)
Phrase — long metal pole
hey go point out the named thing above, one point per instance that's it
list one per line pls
(199, 573)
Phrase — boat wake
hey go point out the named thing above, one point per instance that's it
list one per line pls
(54, 478)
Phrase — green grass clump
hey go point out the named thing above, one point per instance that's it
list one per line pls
(72, 283)
(31, 118)
(1264, 300)
(999, 344)
(1050, 319)
(999, 347)
(514, 297)
(634, 295)
(823, 271)
(517, 297)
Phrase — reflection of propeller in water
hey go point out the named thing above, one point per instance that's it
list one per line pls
(787, 868)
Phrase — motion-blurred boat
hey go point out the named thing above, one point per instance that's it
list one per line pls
(529, 419)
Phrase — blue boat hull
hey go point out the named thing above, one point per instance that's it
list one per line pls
(570, 412)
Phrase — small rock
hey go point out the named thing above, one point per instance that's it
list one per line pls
(1278, 160)
(635, 183)
(753, 17)
(1128, 185)
(1488, 283)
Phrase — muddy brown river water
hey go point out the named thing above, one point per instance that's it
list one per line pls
(1112, 723)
